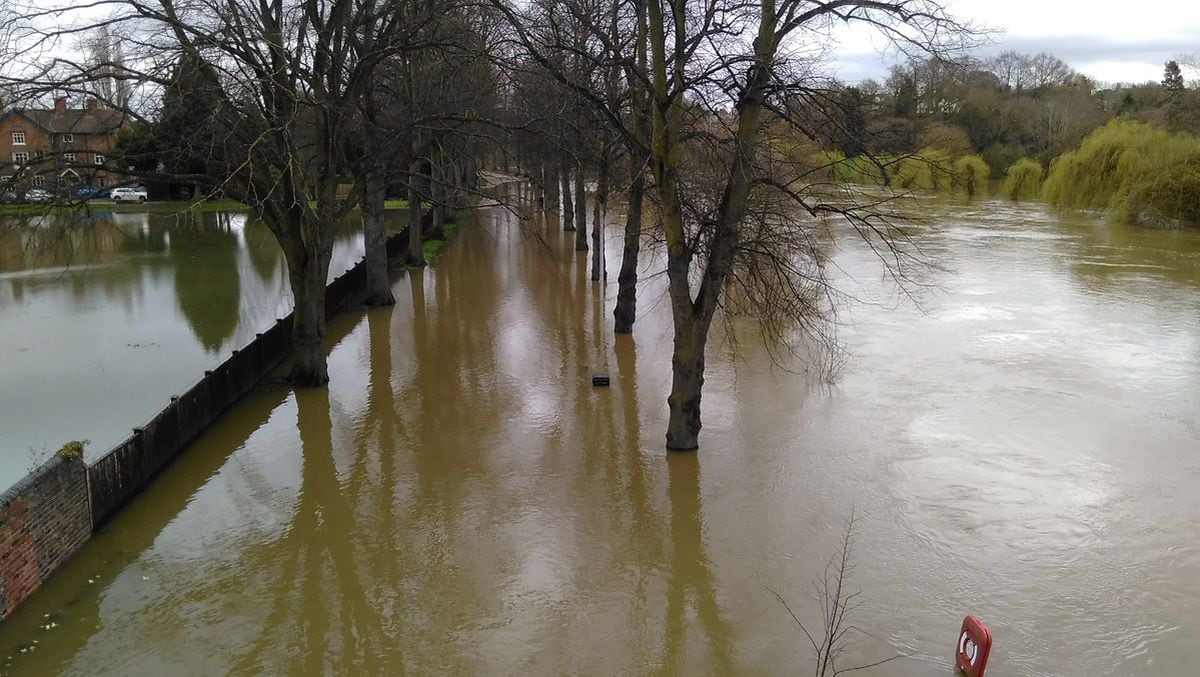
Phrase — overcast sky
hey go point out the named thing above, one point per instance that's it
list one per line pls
(1110, 41)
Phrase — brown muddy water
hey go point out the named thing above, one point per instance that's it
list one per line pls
(104, 316)
(1019, 441)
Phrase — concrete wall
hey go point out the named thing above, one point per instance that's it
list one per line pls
(44, 519)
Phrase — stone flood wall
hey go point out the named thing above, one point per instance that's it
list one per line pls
(48, 515)
(44, 519)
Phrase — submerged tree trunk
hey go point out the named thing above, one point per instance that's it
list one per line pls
(308, 268)
(626, 310)
(687, 383)
(414, 254)
(437, 201)
(599, 215)
(553, 187)
(568, 213)
(581, 243)
(541, 185)
(378, 286)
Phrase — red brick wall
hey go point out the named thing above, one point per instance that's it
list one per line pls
(44, 519)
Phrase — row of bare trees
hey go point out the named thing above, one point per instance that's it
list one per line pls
(301, 110)
(686, 110)
(693, 104)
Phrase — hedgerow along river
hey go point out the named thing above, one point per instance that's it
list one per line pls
(1018, 439)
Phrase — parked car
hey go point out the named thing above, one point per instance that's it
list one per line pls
(9, 197)
(120, 195)
(87, 192)
(39, 195)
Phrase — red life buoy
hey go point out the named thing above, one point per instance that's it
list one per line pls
(974, 647)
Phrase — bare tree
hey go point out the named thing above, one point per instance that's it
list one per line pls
(716, 74)
(282, 79)
(838, 605)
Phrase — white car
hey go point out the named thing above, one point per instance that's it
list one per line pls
(120, 195)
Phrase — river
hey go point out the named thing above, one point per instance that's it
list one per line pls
(1017, 437)
(104, 316)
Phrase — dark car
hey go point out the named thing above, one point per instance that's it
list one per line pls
(88, 193)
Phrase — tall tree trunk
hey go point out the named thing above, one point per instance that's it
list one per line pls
(307, 273)
(437, 199)
(541, 185)
(687, 383)
(599, 215)
(415, 253)
(626, 310)
(568, 213)
(378, 286)
(553, 187)
(581, 243)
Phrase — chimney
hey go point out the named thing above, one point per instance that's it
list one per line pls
(60, 103)
(92, 103)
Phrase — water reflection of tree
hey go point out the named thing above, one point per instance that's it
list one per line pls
(692, 571)
(318, 612)
(1107, 253)
(207, 283)
(264, 253)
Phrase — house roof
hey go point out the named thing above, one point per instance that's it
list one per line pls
(73, 120)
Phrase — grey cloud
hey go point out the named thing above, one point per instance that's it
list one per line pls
(1078, 49)
(1079, 52)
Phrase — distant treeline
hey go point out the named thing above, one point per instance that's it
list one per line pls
(1131, 150)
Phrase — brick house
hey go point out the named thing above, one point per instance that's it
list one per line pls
(59, 148)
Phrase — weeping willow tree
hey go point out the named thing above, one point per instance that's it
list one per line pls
(858, 169)
(928, 169)
(1023, 180)
(1135, 171)
(971, 174)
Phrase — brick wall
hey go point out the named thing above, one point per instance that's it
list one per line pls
(44, 519)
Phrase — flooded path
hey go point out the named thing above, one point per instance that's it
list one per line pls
(1022, 443)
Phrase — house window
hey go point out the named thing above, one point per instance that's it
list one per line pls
(68, 138)
(38, 181)
(69, 157)
(20, 157)
(39, 155)
(99, 159)
(62, 182)
(18, 138)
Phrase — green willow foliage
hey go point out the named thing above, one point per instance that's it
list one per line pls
(841, 169)
(1023, 180)
(971, 174)
(1135, 171)
(929, 169)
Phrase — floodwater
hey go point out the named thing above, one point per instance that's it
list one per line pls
(1016, 438)
(105, 316)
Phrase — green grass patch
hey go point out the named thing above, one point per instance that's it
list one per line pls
(453, 223)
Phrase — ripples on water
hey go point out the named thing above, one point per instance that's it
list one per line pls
(1019, 442)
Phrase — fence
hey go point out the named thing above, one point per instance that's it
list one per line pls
(47, 516)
